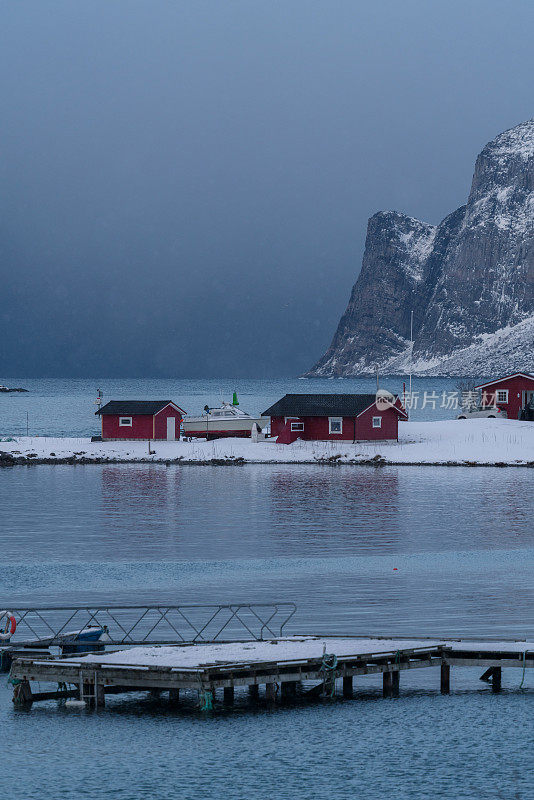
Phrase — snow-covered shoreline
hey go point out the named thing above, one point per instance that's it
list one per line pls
(481, 442)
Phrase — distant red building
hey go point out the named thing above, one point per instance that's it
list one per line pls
(140, 419)
(335, 417)
(511, 393)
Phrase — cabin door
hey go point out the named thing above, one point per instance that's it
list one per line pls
(171, 429)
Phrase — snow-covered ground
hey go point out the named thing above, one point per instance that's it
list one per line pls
(479, 441)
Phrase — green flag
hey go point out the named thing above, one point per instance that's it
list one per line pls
(235, 401)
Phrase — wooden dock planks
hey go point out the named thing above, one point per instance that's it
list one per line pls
(272, 663)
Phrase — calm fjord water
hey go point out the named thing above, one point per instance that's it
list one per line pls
(65, 407)
(329, 538)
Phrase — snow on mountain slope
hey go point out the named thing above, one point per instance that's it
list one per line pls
(393, 278)
(469, 281)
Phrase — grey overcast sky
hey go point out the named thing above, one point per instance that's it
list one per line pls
(185, 186)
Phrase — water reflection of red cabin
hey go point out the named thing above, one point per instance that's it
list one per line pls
(335, 417)
(140, 419)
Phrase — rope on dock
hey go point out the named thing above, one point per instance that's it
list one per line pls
(328, 671)
(206, 700)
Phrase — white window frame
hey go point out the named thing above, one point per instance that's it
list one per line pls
(335, 419)
(125, 422)
(297, 427)
(498, 392)
(377, 422)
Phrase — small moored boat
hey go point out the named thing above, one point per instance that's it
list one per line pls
(227, 420)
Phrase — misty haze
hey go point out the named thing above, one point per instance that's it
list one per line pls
(186, 186)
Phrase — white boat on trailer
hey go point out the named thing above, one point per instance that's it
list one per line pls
(224, 421)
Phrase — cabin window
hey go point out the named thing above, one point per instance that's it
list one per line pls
(125, 422)
(297, 426)
(335, 424)
(502, 395)
(377, 422)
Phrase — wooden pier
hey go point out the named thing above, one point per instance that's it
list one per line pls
(279, 665)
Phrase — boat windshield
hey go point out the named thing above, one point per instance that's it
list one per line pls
(228, 410)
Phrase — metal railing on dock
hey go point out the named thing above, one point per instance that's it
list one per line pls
(152, 624)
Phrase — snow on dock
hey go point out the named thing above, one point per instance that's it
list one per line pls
(281, 651)
(290, 650)
(448, 442)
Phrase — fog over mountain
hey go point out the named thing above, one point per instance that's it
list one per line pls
(185, 186)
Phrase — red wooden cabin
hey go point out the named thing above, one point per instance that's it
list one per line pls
(511, 393)
(140, 419)
(335, 417)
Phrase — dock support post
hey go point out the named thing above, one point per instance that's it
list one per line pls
(22, 694)
(5, 660)
(386, 684)
(347, 686)
(496, 679)
(228, 695)
(174, 696)
(88, 694)
(100, 697)
(254, 692)
(288, 689)
(445, 682)
(395, 683)
(270, 692)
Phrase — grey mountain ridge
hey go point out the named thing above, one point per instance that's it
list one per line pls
(469, 280)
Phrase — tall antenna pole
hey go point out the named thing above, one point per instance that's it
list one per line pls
(411, 353)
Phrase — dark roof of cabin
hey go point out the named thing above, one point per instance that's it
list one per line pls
(132, 408)
(320, 405)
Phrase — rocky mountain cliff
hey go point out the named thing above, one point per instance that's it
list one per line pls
(469, 280)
